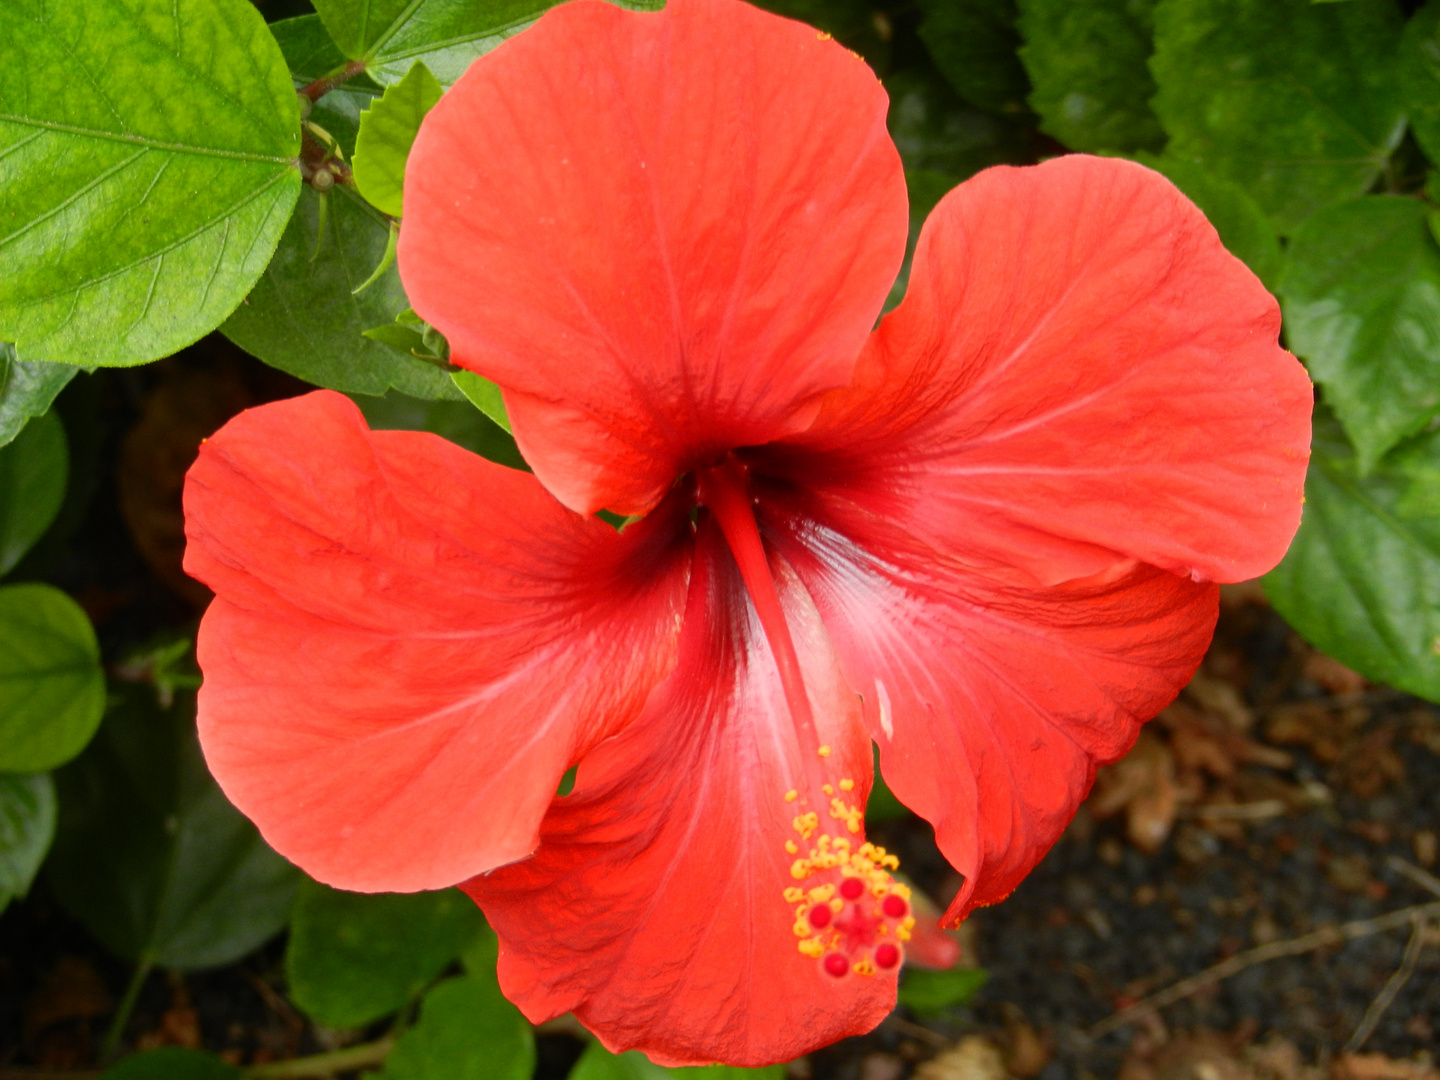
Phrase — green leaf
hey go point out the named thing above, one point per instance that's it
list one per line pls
(353, 958)
(171, 1063)
(27, 390)
(32, 486)
(458, 421)
(1361, 294)
(390, 35)
(52, 690)
(973, 43)
(467, 1031)
(729, 1072)
(27, 825)
(1361, 581)
(928, 991)
(147, 158)
(937, 132)
(925, 188)
(1087, 64)
(311, 54)
(597, 1063)
(1292, 100)
(387, 131)
(484, 395)
(859, 25)
(303, 316)
(150, 856)
(1419, 77)
(1243, 227)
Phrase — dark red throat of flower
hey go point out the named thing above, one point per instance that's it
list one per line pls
(725, 490)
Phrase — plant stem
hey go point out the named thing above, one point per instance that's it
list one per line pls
(323, 85)
(116, 1030)
(320, 1065)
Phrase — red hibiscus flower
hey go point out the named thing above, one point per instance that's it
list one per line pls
(985, 535)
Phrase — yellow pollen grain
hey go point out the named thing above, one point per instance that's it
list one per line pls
(800, 869)
(801, 928)
(864, 967)
(828, 789)
(822, 893)
(791, 795)
(794, 894)
(824, 751)
(847, 784)
(837, 905)
(791, 848)
(821, 35)
(812, 948)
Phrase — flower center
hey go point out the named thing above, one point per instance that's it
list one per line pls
(850, 913)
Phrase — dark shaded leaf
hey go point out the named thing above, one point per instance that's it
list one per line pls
(27, 825)
(33, 469)
(973, 43)
(467, 1031)
(27, 390)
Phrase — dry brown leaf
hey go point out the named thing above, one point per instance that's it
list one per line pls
(1380, 1067)
(1142, 783)
(972, 1058)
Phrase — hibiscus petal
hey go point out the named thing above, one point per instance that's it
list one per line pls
(993, 703)
(1079, 375)
(409, 644)
(655, 909)
(663, 234)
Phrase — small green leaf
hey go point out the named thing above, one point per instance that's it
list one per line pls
(1361, 294)
(405, 338)
(467, 1031)
(597, 1063)
(52, 690)
(484, 395)
(973, 43)
(27, 390)
(171, 1063)
(458, 421)
(147, 158)
(1294, 101)
(27, 825)
(387, 131)
(1243, 227)
(304, 317)
(1361, 581)
(1087, 64)
(150, 856)
(32, 486)
(1419, 77)
(928, 991)
(390, 35)
(353, 958)
(386, 261)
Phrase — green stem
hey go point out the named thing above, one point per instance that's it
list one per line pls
(116, 1030)
(319, 1065)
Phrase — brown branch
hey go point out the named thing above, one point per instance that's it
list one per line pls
(1393, 987)
(314, 91)
(1319, 939)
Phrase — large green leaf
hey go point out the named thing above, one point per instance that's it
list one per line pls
(32, 486)
(597, 1063)
(1087, 64)
(146, 156)
(52, 690)
(171, 1063)
(1296, 101)
(27, 825)
(303, 316)
(935, 130)
(1419, 77)
(27, 390)
(1244, 228)
(467, 1031)
(1361, 293)
(933, 991)
(390, 35)
(353, 958)
(387, 131)
(973, 43)
(1361, 581)
(150, 856)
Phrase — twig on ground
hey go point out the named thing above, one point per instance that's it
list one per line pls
(1420, 877)
(1396, 983)
(322, 1065)
(1329, 935)
(918, 1031)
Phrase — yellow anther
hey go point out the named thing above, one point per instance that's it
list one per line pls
(794, 894)
(812, 947)
(821, 893)
(864, 967)
(837, 905)
(879, 887)
(821, 35)
(801, 928)
(854, 826)
(800, 869)
(791, 795)
(824, 751)
(790, 848)
(828, 789)
(847, 784)
(890, 862)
